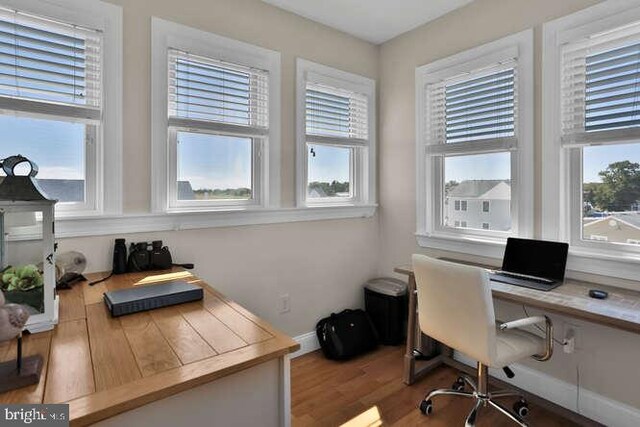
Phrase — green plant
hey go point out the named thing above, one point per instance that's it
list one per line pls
(23, 278)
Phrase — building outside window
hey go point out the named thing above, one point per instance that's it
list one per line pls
(476, 193)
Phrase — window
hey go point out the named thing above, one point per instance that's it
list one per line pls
(475, 136)
(456, 223)
(591, 151)
(336, 137)
(478, 108)
(329, 172)
(218, 116)
(215, 106)
(57, 69)
(601, 130)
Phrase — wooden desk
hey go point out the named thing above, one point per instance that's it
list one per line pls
(620, 310)
(103, 366)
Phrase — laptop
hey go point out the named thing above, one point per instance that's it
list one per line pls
(535, 264)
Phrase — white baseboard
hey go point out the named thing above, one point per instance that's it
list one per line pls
(308, 343)
(591, 405)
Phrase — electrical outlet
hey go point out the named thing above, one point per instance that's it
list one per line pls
(571, 338)
(284, 304)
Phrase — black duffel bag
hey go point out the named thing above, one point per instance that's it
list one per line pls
(346, 334)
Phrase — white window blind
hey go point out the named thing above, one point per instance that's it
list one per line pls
(335, 116)
(48, 62)
(481, 105)
(601, 87)
(217, 94)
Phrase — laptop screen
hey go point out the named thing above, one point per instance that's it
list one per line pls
(536, 258)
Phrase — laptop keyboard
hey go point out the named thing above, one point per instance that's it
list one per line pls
(525, 283)
(525, 277)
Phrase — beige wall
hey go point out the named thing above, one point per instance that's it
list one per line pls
(320, 264)
(607, 358)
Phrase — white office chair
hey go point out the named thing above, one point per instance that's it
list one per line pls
(455, 307)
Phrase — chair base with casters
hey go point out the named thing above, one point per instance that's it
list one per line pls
(480, 393)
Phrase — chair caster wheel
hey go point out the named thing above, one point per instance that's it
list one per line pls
(521, 407)
(426, 407)
(459, 384)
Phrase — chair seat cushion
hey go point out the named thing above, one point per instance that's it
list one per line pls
(514, 345)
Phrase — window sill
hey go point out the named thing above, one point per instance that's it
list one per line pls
(621, 265)
(138, 223)
(610, 263)
(471, 245)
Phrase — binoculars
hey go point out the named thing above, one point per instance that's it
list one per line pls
(144, 256)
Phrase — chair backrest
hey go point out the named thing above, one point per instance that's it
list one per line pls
(455, 306)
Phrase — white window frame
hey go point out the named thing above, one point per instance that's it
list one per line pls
(488, 202)
(488, 226)
(363, 159)
(562, 174)
(266, 162)
(103, 150)
(429, 198)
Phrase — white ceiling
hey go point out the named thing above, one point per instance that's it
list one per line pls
(373, 20)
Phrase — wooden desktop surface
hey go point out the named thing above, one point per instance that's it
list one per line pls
(102, 366)
(620, 310)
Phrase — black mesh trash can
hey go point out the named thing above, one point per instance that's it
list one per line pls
(386, 303)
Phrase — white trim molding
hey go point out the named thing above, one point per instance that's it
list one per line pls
(429, 154)
(561, 177)
(308, 343)
(152, 222)
(591, 405)
(470, 245)
(167, 35)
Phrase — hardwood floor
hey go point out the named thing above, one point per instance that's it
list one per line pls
(368, 391)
